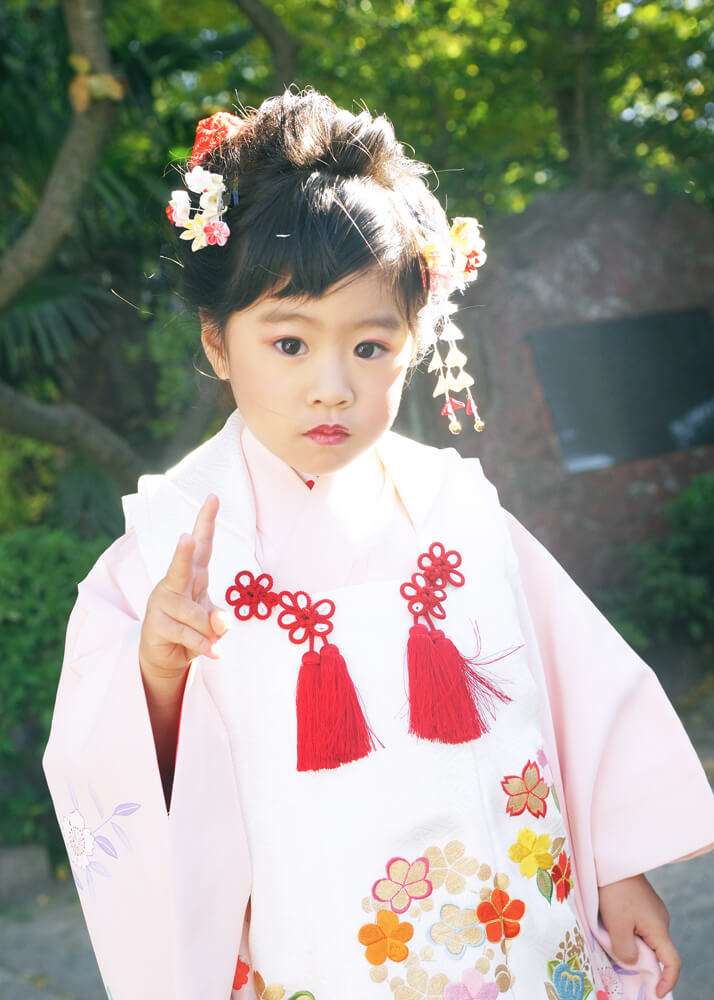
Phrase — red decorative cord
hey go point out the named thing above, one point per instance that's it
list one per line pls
(425, 592)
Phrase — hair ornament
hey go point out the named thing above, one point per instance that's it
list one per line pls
(205, 227)
(450, 269)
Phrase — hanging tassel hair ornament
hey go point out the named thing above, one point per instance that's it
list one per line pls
(331, 726)
(448, 266)
(449, 700)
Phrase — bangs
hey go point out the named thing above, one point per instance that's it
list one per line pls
(317, 233)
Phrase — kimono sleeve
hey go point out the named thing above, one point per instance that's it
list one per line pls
(102, 772)
(163, 894)
(636, 793)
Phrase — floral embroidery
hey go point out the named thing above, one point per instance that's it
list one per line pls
(531, 852)
(81, 841)
(450, 867)
(276, 991)
(501, 915)
(495, 921)
(240, 976)
(419, 984)
(473, 986)
(562, 878)
(457, 929)
(386, 938)
(526, 791)
(569, 971)
(403, 883)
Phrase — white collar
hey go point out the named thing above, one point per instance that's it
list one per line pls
(218, 466)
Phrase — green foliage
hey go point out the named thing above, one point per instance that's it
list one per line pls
(39, 571)
(670, 595)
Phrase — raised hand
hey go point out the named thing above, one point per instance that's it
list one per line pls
(181, 621)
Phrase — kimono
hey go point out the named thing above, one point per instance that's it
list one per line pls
(424, 869)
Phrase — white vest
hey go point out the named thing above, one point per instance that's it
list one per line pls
(414, 872)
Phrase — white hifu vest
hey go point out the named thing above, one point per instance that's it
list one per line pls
(424, 870)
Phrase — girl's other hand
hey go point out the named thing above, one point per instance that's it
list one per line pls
(631, 908)
(181, 621)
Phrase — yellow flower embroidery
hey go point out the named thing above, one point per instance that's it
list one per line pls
(531, 852)
(386, 938)
(450, 867)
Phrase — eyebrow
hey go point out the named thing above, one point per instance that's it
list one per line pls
(389, 321)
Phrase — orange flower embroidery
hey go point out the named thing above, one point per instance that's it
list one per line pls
(501, 915)
(526, 791)
(386, 938)
(562, 877)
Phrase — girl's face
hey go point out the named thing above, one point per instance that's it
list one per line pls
(295, 364)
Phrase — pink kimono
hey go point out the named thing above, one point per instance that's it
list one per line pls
(360, 878)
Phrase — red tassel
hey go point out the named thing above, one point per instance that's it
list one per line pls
(448, 699)
(331, 727)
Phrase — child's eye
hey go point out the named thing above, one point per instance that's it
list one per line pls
(296, 340)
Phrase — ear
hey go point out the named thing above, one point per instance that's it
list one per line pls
(213, 346)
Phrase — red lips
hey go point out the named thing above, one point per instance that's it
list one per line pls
(328, 429)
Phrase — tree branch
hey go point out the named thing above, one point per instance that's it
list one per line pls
(283, 46)
(70, 426)
(55, 216)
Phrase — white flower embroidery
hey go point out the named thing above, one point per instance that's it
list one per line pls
(79, 840)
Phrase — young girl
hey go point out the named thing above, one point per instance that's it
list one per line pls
(332, 723)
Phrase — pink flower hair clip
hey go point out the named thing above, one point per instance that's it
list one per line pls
(205, 227)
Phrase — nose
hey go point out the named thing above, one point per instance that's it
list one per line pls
(330, 384)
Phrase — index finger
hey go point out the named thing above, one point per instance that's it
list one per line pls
(179, 575)
(203, 529)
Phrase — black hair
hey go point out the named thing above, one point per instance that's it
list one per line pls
(323, 194)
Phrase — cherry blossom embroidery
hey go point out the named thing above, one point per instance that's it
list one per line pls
(501, 915)
(386, 938)
(526, 791)
(403, 883)
(81, 841)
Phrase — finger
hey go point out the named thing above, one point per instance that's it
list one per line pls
(203, 529)
(622, 937)
(183, 635)
(179, 575)
(221, 620)
(182, 609)
(663, 947)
